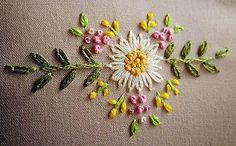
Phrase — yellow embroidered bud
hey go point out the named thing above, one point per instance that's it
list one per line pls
(143, 25)
(112, 113)
(150, 16)
(168, 88)
(92, 95)
(100, 83)
(167, 107)
(164, 95)
(175, 81)
(123, 107)
(158, 102)
(105, 23)
(112, 101)
(153, 23)
(105, 92)
(109, 33)
(115, 25)
(176, 92)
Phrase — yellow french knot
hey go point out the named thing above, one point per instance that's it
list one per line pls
(136, 62)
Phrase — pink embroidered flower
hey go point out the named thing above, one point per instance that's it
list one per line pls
(130, 111)
(105, 39)
(162, 45)
(90, 31)
(97, 39)
(99, 32)
(142, 98)
(163, 37)
(147, 108)
(87, 40)
(164, 30)
(142, 120)
(170, 31)
(156, 35)
(139, 109)
(170, 38)
(97, 49)
(133, 99)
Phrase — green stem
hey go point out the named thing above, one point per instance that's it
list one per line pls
(71, 67)
(189, 60)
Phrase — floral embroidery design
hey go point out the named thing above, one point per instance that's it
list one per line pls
(135, 62)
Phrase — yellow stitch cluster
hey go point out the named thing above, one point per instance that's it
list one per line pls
(136, 62)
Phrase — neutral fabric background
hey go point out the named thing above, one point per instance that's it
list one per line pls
(204, 114)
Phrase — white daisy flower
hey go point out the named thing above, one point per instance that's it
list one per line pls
(135, 62)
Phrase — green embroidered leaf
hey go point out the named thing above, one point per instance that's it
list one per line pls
(202, 49)
(167, 20)
(67, 79)
(210, 67)
(39, 59)
(134, 127)
(76, 32)
(169, 50)
(87, 55)
(42, 81)
(192, 69)
(83, 19)
(186, 50)
(154, 120)
(20, 69)
(222, 53)
(175, 70)
(60, 54)
(119, 101)
(92, 77)
(178, 28)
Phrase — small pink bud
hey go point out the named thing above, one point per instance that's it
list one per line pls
(97, 39)
(142, 98)
(147, 108)
(163, 37)
(130, 111)
(164, 30)
(87, 40)
(139, 109)
(90, 31)
(155, 35)
(170, 38)
(97, 49)
(99, 32)
(162, 45)
(142, 120)
(133, 99)
(105, 39)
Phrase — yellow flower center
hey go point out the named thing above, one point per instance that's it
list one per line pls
(136, 62)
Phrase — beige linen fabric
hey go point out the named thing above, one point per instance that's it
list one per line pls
(204, 113)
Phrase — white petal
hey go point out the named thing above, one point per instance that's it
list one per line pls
(132, 40)
(130, 81)
(155, 76)
(124, 79)
(124, 43)
(116, 59)
(147, 80)
(117, 74)
(123, 49)
(139, 84)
